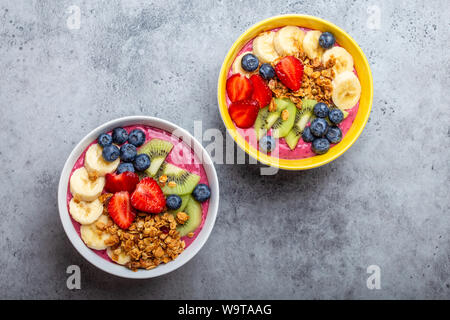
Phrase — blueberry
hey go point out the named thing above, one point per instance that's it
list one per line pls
(327, 40)
(249, 62)
(104, 140)
(110, 153)
(321, 110)
(307, 136)
(320, 146)
(141, 162)
(266, 71)
(334, 135)
(125, 166)
(173, 202)
(201, 192)
(128, 152)
(267, 144)
(119, 135)
(336, 116)
(136, 137)
(319, 127)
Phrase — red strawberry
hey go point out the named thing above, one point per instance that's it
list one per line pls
(125, 181)
(244, 112)
(290, 72)
(119, 209)
(261, 91)
(148, 196)
(239, 87)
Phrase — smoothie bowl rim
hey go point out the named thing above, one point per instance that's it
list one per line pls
(191, 250)
(361, 65)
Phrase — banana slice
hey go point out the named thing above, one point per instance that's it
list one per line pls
(118, 256)
(346, 90)
(237, 67)
(311, 44)
(344, 60)
(83, 188)
(85, 212)
(288, 40)
(263, 47)
(96, 165)
(93, 237)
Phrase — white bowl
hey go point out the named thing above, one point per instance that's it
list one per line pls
(191, 250)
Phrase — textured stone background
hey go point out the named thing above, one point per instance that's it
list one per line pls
(294, 235)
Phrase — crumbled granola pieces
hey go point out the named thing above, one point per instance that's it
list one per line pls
(182, 217)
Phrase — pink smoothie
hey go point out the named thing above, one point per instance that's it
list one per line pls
(181, 155)
(303, 149)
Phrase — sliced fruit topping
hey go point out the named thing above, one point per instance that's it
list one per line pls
(184, 200)
(141, 162)
(267, 144)
(327, 40)
(249, 62)
(95, 164)
(179, 181)
(194, 211)
(290, 72)
(263, 47)
(92, 236)
(261, 91)
(301, 120)
(119, 255)
(288, 40)
(264, 121)
(136, 137)
(201, 192)
(343, 59)
(311, 44)
(104, 140)
(239, 88)
(285, 122)
(119, 209)
(244, 112)
(346, 90)
(157, 150)
(125, 181)
(83, 187)
(85, 212)
(148, 196)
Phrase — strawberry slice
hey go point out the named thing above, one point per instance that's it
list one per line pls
(261, 91)
(119, 209)
(148, 196)
(290, 72)
(239, 87)
(244, 112)
(125, 181)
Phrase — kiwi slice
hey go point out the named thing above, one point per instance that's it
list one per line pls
(194, 211)
(157, 150)
(184, 202)
(185, 181)
(282, 127)
(301, 120)
(264, 121)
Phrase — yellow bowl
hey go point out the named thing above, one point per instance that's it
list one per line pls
(362, 68)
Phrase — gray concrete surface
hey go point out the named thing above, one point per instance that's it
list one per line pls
(294, 235)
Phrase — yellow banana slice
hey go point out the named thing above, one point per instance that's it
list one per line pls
(92, 236)
(85, 212)
(83, 188)
(344, 60)
(96, 165)
(311, 44)
(263, 47)
(346, 90)
(118, 256)
(288, 40)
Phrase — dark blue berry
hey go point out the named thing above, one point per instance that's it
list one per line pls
(104, 140)
(320, 146)
(327, 40)
(119, 135)
(125, 166)
(267, 144)
(110, 153)
(173, 202)
(336, 116)
(128, 152)
(201, 192)
(249, 62)
(321, 110)
(266, 71)
(141, 162)
(136, 137)
(307, 136)
(319, 127)
(334, 135)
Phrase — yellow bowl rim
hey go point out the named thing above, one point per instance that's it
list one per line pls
(287, 164)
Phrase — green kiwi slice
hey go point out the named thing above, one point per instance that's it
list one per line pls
(264, 121)
(157, 150)
(185, 181)
(194, 211)
(282, 127)
(301, 120)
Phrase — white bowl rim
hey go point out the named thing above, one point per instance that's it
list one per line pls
(194, 247)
